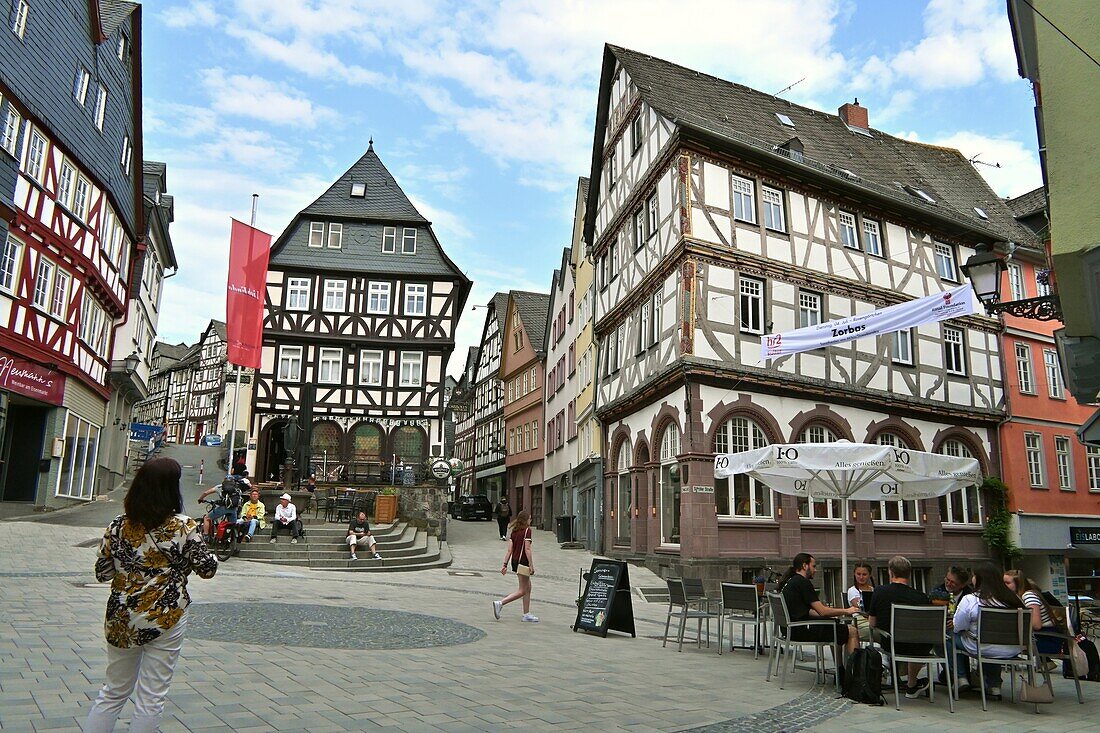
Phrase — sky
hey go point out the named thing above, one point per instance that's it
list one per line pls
(484, 111)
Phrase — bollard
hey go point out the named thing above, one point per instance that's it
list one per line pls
(202, 465)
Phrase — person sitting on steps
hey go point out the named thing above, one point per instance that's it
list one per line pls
(252, 516)
(286, 517)
(359, 535)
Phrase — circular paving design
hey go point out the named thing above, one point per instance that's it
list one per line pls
(325, 627)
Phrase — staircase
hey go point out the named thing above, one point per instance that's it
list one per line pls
(402, 547)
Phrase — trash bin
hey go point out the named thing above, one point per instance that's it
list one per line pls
(565, 528)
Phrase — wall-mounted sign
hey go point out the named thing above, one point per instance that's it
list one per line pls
(31, 380)
(1084, 535)
(702, 489)
(441, 469)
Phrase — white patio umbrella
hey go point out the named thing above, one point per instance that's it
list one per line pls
(845, 470)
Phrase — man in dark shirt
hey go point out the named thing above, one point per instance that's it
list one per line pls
(359, 535)
(803, 604)
(881, 611)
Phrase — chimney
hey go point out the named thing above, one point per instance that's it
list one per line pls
(854, 115)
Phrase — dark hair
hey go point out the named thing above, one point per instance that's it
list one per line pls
(154, 494)
(960, 574)
(800, 561)
(870, 574)
(989, 585)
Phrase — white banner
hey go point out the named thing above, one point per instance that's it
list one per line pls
(939, 307)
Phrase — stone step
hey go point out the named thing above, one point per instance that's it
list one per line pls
(428, 554)
(339, 532)
(421, 552)
(416, 544)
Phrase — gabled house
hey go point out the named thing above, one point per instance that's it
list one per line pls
(560, 396)
(490, 443)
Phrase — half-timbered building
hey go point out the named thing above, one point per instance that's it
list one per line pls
(522, 370)
(179, 395)
(208, 384)
(718, 216)
(153, 410)
(360, 315)
(489, 441)
(560, 395)
(70, 215)
(462, 406)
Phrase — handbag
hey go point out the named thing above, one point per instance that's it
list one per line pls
(1079, 661)
(1035, 694)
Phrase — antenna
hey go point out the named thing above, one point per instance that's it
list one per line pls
(789, 87)
(974, 161)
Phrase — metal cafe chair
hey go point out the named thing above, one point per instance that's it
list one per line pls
(783, 644)
(920, 625)
(740, 605)
(1005, 627)
(1063, 656)
(680, 606)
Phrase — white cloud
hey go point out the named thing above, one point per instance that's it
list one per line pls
(302, 55)
(1010, 167)
(195, 14)
(242, 95)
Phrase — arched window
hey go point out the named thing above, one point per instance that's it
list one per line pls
(324, 446)
(408, 444)
(623, 503)
(366, 443)
(750, 498)
(962, 506)
(818, 508)
(670, 493)
(893, 511)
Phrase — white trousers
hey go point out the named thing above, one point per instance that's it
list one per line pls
(365, 541)
(142, 673)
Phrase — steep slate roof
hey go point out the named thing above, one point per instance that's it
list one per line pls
(500, 308)
(1029, 203)
(582, 184)
(112, 14)
(383, 201)
(172, 351)
(716, 110)
(533, 309)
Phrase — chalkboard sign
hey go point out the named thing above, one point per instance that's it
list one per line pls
(606, 604)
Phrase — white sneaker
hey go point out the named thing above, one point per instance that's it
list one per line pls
(353, 557)
(293, 540)
(497, 607)
(272, 541)
(377, 556)
(530, 618)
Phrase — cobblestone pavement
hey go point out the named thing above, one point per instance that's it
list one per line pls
(508, 675)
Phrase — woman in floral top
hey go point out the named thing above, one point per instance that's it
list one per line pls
(147, 554)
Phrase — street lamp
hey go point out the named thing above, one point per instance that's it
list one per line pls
(131, 362)
(984, 269)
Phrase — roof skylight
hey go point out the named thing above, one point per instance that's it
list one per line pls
(784, 119)
(919, 193)
(359, 190)
(858, 130)
(981, 213)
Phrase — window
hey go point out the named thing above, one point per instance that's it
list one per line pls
(1054, 374)
(809, 508)
(408, 241)
(65, 184)
(416, 300)
(316, 234)
(669, 491)
(511, 441)
(893, 511)
(120, 49)
(744, 204)
(613, 260)
(1042, 283)
(1016, 281)
(643, 328)
(1023, 369)
(872, 240)
(378, 298)
(784, 119)
(36, 156)
(290, 363)
(652, 218)
(127, 154)
(1064, 458)
(389, 239)
(335, 236)
(80, 198)
(329, 366)
(748, 497)
(1092, 454)
(534, 435)
(100, 107)
(335, 299)
(80, 85)
(10, 260)
(636, 133)
(945, 261)
(59, 304)
(297, 293)
(358, 190)
(773, 209)
(412, 365)
(511, 391)
(639, 229)
(611, 173)
(79, 457)
(525, 439)
(954, 355)
(1033, 449)
(10, 133)
(848, 236)
(19, 23)
(962, 506)
(752, 304)
(43, 283)
(655, 312)
(903, 346)
(809, 309)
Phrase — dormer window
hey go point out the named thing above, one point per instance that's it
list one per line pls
(316, 234)
(358, 190)
(408, 241)
(335, 236)
(389, 239)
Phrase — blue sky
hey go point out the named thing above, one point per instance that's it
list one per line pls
(484, 110)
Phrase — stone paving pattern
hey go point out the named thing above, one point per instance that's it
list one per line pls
(515, 675)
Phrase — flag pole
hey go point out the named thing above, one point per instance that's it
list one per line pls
(237, 389)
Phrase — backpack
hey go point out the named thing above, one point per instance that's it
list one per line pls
(232, 497)
(862, 678)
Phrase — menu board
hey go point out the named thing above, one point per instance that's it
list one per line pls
(606, 604)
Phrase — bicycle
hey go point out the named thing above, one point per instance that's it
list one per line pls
(225, 538)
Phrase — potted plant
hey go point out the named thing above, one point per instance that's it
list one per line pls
(385, 506)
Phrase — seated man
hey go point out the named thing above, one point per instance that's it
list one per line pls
(286, 517)
(359, 536)
(803, 604)
(227, 504)
(898, 591)
(955, 587)
(252, 516)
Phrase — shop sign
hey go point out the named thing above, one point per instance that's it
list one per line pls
(441, 469)
(1084, 535)
(31, 380)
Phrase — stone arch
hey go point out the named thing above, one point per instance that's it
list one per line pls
(967, 438)
(326, 442)
(618, 437)
(898, 427)
(410, 443)
(641, 451)
(366, 441)
(820, 415)
(667, 415)
(743, 407)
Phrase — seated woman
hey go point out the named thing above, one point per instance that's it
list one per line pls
(989, 592)
(1041, 617)
(861, 583)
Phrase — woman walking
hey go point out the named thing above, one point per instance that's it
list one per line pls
(147, 554)
(523, 565)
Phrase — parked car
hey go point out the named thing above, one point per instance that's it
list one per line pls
(472, 507)
(211, 439)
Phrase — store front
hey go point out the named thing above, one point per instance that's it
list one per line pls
(30, 394)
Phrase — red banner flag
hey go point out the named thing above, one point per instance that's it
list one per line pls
(244, 300)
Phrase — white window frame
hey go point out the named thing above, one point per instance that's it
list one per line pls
(389, 240)
(43, 283)
(416, 293)
(59, 300)
(809, 308)
(408, 241)
(903, 347)
(330, 363)
(1036, 461)
(80, 84)
(127, 154)
(872, 237)
(100, 112)
(335, 239)
(1063, 458)
(744, 199)
(66, 183)
(656, 303)
(846, 227)
(900, 508)
(19, 23)
(316, 234)
(370, 367)
(289, 365)
(81, 193)
(12, 122)
(734, 436)
(298, 293)
(639, 229)
(1054, 374)
(81, 466)
(1041, 289)
(652, 217)
(637, 134)
(335, 296)
(11, 261)
(968, 495)
(667, 456)
(954, 351)
(750, 293)
(808, 507)
(412, 369)
(380, 292)
(36, 156)
(945, 262)
(1092, 458)
(1016, 281)
(774, 217)
(1024, 373)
